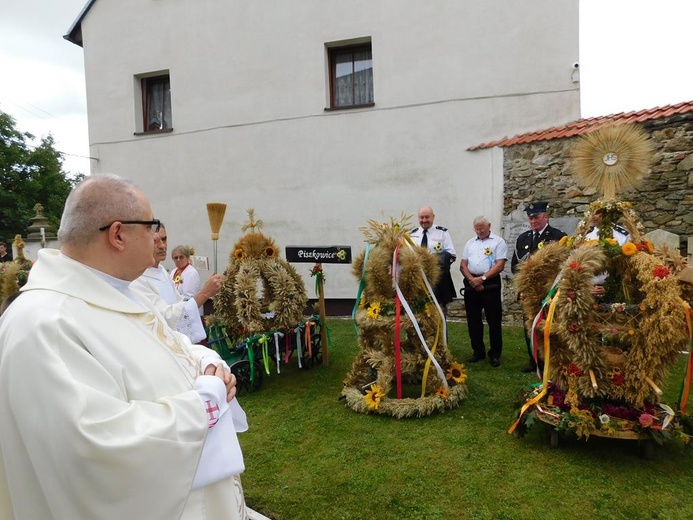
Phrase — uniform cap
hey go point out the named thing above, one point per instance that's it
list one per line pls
(534, 208)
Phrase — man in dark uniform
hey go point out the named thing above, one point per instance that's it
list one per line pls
(541, 233)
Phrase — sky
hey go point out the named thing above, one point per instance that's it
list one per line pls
(634, 55)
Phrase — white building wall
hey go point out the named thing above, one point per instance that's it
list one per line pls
(249, 90)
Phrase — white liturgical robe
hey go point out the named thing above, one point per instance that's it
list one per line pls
(98, 415)
(181, 315)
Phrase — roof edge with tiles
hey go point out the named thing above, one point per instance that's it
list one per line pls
(583, 126)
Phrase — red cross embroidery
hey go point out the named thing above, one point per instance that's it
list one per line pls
(212, 415)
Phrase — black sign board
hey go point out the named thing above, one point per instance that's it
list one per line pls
(319, 254)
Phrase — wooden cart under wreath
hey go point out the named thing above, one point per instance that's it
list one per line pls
(249, 357)
(607, 426)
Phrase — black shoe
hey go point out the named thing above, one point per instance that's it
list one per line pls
(475, 358)
(529, 368)
(495, 362)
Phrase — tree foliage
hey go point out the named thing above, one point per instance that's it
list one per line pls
(29, 175)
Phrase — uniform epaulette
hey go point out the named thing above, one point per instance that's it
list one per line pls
(442, 228)
(620, 229)
(414, 230)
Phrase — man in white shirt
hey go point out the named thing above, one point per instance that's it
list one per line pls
(438, 241)
(483, 259)
(127, 418)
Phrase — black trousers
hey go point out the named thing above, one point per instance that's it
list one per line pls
(488, 301)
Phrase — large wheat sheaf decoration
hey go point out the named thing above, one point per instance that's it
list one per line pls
(612, 159)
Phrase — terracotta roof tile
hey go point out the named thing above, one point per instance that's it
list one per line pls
(582, 126)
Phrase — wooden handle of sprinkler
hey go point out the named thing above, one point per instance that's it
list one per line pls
(653, 385)
(215, 253)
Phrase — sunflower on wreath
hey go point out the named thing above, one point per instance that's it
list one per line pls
(404, 367)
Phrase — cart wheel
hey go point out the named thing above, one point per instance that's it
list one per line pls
(554, 439)
(316, 350)
(647, 450)
(241, 369)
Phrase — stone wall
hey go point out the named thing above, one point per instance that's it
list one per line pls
(664, 200)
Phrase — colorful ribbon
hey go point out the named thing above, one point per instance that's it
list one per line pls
(431, 294)
(327, 333)
(249, 350)
(547, 355)
(317, 322)
(398, 324)
(287, 352)
(362, 286)
(263, 340)
(534, 335)
(297, 330)
(309, 343)
(415, 324)
(318, 280)
(277, 335)
(427, 366)
(686, 385)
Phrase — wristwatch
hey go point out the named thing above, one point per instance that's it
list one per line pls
(483, 277)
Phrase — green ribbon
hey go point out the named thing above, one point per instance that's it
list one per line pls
(552, 291)
(318, 279)
(249, 350)
(264, 341)
(217, 335)
(318, 321)
(362, 286)
(327, 332)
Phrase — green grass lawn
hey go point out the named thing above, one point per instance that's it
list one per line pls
(308, 456)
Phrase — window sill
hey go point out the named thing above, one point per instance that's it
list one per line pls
(349, 107)
(151, 132)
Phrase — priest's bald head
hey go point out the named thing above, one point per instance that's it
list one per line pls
(108, 224)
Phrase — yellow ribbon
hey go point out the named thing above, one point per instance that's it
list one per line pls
(427, 366)
(547, 355)
(439, 323)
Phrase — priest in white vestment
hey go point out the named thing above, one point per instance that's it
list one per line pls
(106, 412)
(181, 314)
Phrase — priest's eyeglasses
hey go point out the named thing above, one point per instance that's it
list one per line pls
(154, 224)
